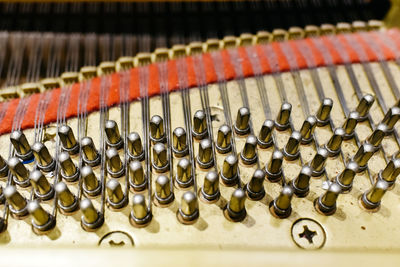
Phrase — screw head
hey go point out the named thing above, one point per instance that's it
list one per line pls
(308, 234)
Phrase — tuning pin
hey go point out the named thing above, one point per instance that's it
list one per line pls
(140, 215)
(20, 172)
(301, 184)
(255, 188)
(43, 189)
(210, 189)
(291, 150)
(137, 179)
(274, 168)
(326, 203)
(334, 144)
(116, 198)
(115, 166)
(199, 125)
(281, 206)
(91, 185)
(346, 177)
(67, 202)
(3, 167)
(350, 124)
(236, 209)
(91, 219)
(249, 153)
(113, 137)
(135, 148)
(224, 138)
(283, 119)
(242, 126)
(391, 171)
(377, 135)
(364, 106)
(68, 140)
(42, 221)
(160, 158)
(184, 177)
(371, 199)
(90, 154)
(391, 118)
(2, 198)
(69, 171)
(265, 139)
(21, 145)
(157, 129)
(163, 194)
(17, 203)
(180, 147)
(205, 156)
(188, 211)
(44, 160)
(307, 130)
(318, 162)
(229, 174)
(363, 155)
(324, 112)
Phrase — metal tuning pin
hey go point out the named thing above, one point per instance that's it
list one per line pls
(69, 171)
(21, 145)
(2, 198)
(68, 140)
(377, 135)
(274, 168)
(157, 129)
(346, 177)
(115, 166)
(3, 167)
(318, 163)
(137, 179)
(43, 189)
(301, 184)
(205, 157)
(91, 186)
(390, 172)
(113, 137)
(188, 212)
(140, 215)
(179, 141)
(364, 106)
(242, 126)
(91, 219)
(265, 139)
(45, 161)
(160, 158)
(163, 194)
(184, 177)
(350, 124)
(326, 203)
(363, 155)
(334, 144)
(281, 206)
(90, 154)
(135, 147)
(255, 188)
(391, 118)
(210, 189)
(19, 171)
(324, 111)
(17, 203)
(199, 125)
(67, 202)
(224, 139)
(249, 153)
(42, 221)
(371, 200)
(307, 130)
(236, 209)
(229, 174)
(291, 150)
(116, 198)
(283, 119)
